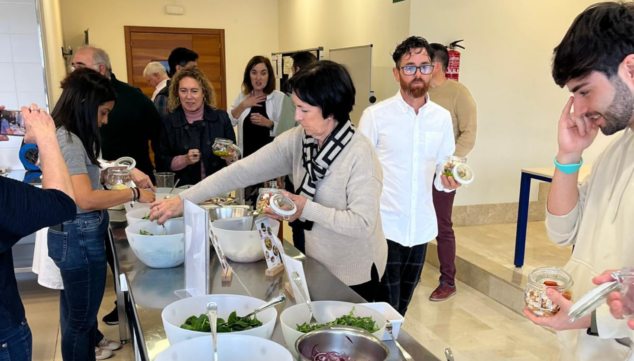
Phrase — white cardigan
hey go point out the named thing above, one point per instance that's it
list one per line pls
(601, 228)
(273, 110)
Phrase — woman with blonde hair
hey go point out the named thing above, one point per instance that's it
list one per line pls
(191, 129)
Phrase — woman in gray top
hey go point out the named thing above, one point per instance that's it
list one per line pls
(77, 246)
(338, 179)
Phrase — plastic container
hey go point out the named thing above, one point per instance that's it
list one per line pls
(390, 314)
(175, 314)
(541, 279)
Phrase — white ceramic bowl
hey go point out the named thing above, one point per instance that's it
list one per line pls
(175, 314)
(240, 245)
(161, 193)
(231, 347)
(325, 311)
(158, 251)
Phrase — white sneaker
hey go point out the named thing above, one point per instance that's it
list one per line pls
(102, 354)
(110, 345)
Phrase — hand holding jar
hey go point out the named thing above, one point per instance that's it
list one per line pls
(548, 300)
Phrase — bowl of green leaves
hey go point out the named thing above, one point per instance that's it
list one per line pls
(294, 320)
(186, 319)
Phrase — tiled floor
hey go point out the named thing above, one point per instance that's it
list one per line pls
(473, 325)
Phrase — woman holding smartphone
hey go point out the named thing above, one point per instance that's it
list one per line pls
(78, 246)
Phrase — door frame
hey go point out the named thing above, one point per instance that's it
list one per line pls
(195, 31)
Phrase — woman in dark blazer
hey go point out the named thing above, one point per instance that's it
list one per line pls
(191, 129)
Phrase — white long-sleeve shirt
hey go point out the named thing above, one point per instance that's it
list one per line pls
(159, 87)
(411, 148)
(602, 229)
(273, 109)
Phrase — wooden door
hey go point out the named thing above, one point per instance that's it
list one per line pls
(146, 44)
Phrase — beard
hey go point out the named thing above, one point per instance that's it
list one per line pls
(619, 113)
(415, 91)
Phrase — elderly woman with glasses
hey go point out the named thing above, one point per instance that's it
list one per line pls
(338, 179)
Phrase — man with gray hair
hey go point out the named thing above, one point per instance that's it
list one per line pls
(156, 77)
(132, 123)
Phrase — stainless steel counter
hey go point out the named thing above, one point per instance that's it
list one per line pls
(153, 289)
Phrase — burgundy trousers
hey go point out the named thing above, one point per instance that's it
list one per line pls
(446, 240)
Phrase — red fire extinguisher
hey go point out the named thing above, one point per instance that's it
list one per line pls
(453, 70)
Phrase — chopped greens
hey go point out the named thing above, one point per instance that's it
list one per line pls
(145, 233)
(232, 324)
(146, 217)
(366, 323)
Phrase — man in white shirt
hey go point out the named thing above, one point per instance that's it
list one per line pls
(156, 76)
(596, 216)
(412, 136)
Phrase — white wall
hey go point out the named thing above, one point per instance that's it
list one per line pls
(337, 24)
(21, 73)
(506, 65)
(251, 27)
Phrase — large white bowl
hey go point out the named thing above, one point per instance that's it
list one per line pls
(231, 347)
(158, 251)
(237, 244)
(325, 311)
(176, 313)
(161, 193)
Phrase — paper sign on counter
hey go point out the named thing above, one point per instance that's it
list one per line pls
(269, 245)
(293, 265)
(196, 221)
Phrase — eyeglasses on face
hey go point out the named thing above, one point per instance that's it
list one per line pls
(411, 69)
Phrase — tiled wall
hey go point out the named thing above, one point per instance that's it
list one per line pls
(21, 70)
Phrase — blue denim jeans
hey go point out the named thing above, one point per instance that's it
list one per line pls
(79, 252)
(16, 343)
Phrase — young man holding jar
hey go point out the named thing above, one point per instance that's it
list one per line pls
(596, 217)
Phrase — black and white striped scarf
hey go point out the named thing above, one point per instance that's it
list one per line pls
(317, 161)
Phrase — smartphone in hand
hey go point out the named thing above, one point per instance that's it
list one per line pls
(12, 123)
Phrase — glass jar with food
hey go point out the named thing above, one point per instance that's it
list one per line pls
(118, 178)
(541, 279)
(225, 147)
(457, 168)
(264, 198)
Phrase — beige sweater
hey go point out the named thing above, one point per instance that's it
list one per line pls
(457, 99)
(602, 229)
(347, 236)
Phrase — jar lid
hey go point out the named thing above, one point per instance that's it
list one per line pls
(283, 206)
(127, 162)
(463, 174)
(592, 300)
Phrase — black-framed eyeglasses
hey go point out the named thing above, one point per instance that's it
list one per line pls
(411, 69)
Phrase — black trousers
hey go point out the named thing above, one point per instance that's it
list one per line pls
(368, 290)
(402, 274)
(299, 239)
